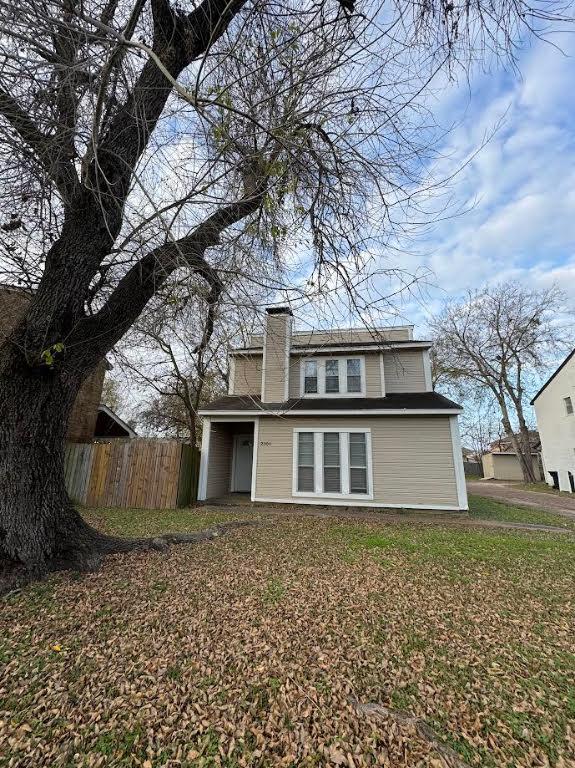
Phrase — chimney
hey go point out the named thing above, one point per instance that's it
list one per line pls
(277, 344)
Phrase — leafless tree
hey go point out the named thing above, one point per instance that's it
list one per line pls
(111, 393)
(139, 136)
(495, 342)
(480, 425)
(177, 369)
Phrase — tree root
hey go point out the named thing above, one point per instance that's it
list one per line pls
(89, 553)
(449, 756)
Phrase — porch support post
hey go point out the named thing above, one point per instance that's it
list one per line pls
(204, 460)
(255, 457)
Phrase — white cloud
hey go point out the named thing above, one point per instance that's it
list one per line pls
(519, 190)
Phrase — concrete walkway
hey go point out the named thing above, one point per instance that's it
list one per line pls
(506, 492)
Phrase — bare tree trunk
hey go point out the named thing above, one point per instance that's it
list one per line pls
(40, 529)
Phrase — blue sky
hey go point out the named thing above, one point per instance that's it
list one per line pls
(518, 192)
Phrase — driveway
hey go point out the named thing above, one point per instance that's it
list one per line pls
(507, 492)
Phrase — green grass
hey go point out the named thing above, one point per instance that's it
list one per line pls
(481, 508)
(455, 547)
(541, 487)
(153, 522)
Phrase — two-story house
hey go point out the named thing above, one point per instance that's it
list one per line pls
(344, 417)
(555, 410)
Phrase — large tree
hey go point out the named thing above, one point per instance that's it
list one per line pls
(176, 367)
(136, 135)
(493, 346)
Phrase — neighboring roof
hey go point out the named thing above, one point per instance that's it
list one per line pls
(111, 425)
(550, 379)
(503, 444)
(392, 403)
(506, 453)
(327, 346)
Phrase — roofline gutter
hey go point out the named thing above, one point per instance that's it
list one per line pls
(295, 350)
(331, 412)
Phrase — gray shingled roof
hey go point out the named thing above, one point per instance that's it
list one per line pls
(396, 401)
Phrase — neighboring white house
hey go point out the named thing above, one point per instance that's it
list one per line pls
(343, 416)
(554, 407)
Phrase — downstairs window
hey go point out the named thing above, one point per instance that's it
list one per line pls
(334, 462)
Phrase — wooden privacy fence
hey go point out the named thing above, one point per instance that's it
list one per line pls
(473, 469)
(145, 474)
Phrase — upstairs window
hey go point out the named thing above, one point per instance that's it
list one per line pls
(310, 377)
(354, 374)
(568, 405)
(333, 376)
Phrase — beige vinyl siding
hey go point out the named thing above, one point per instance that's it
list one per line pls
(412, 458)
(404, 371)
(506, 466)
(220, 461)
(488, 468)
(294, 377)
(273, 382)
(247, 375)
(372, 373)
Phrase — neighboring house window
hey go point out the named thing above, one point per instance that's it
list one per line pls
(568, 405)
(330, 376)
(332, 462)
(306, 463)
(310, 377)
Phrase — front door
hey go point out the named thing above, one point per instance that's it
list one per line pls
(243, 454)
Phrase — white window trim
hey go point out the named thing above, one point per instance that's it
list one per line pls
(342, 363)
(344, 463)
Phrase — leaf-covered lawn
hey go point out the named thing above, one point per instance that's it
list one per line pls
(483, 508)
(245, 651)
